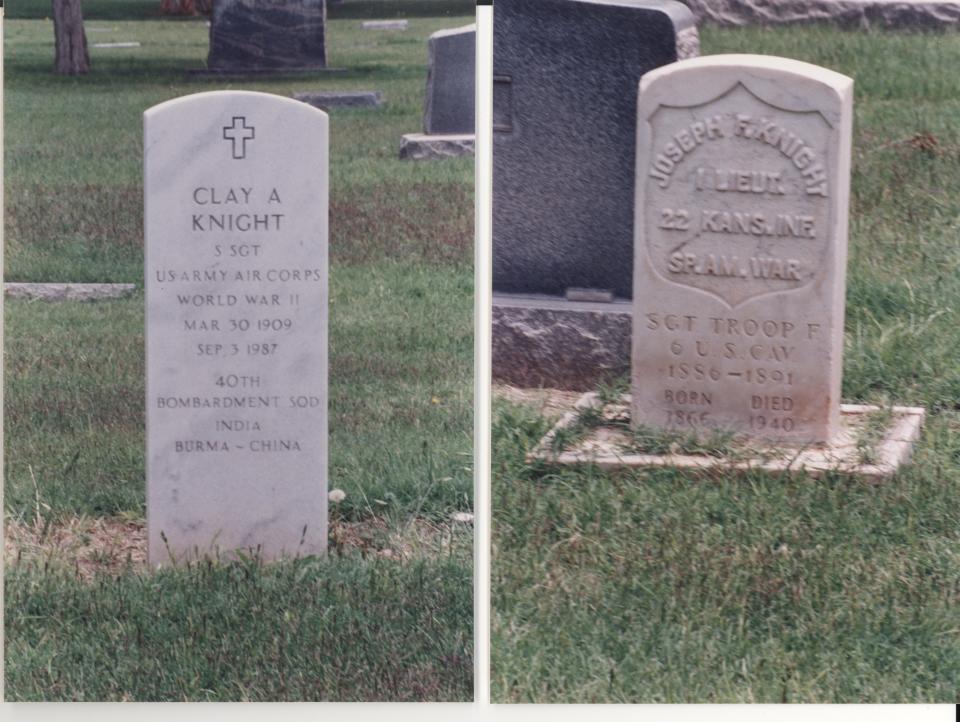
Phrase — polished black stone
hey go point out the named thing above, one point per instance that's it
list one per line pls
(565, 115)
(267, 35)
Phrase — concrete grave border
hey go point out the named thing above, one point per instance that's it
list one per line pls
(599, 446)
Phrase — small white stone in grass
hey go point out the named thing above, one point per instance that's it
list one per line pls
(616, 412)
(337, 495)
(463, 516)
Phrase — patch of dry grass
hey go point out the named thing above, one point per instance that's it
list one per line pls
(90, 545)
(550, 403)
(114, 545)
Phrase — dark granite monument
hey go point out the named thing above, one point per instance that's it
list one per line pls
(566, 74)
(451, 82)
(267, 35)
(449, 115)
(565, 119)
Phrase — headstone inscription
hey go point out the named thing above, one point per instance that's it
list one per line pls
(743, 174)
(236, 316)
(267, 35)
(564, 115)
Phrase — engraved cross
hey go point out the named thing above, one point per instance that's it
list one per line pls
(238, 136)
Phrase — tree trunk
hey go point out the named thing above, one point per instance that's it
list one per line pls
(72, 57)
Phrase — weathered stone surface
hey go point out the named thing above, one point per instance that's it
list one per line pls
(607, 446)
(451, 83)
(325, 99)
(68, 291)
(267, 35)
(417, 146)
(564, 106)
(384, 24)
(560, 344)
(688, 43)
(890, 14)
(743, 181)
(236, 188)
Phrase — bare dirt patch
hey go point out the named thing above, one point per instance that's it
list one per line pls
(551, 403)
(111, 545)
(90, 545)
(417, 538)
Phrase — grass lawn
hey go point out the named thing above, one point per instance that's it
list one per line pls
(388, 616)
(658, 586)
(336, 9)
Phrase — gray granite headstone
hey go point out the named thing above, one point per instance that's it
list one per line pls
(267, 35)
(449, 103)
(235, 191)
(564, 106)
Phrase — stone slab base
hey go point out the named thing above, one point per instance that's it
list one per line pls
(419, 146)
(68, 291)
(325, 99)
(545, 341)
(890, 14)
(604, 445)
(384, 24)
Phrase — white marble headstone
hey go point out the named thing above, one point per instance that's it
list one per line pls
(235, 187)
(743, 174)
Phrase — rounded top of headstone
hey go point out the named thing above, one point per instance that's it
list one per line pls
(681, 15)
(761, 66)
(463, 29)
(230, 96)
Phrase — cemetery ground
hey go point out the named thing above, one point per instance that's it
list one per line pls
(664, 586)
(388, 615)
